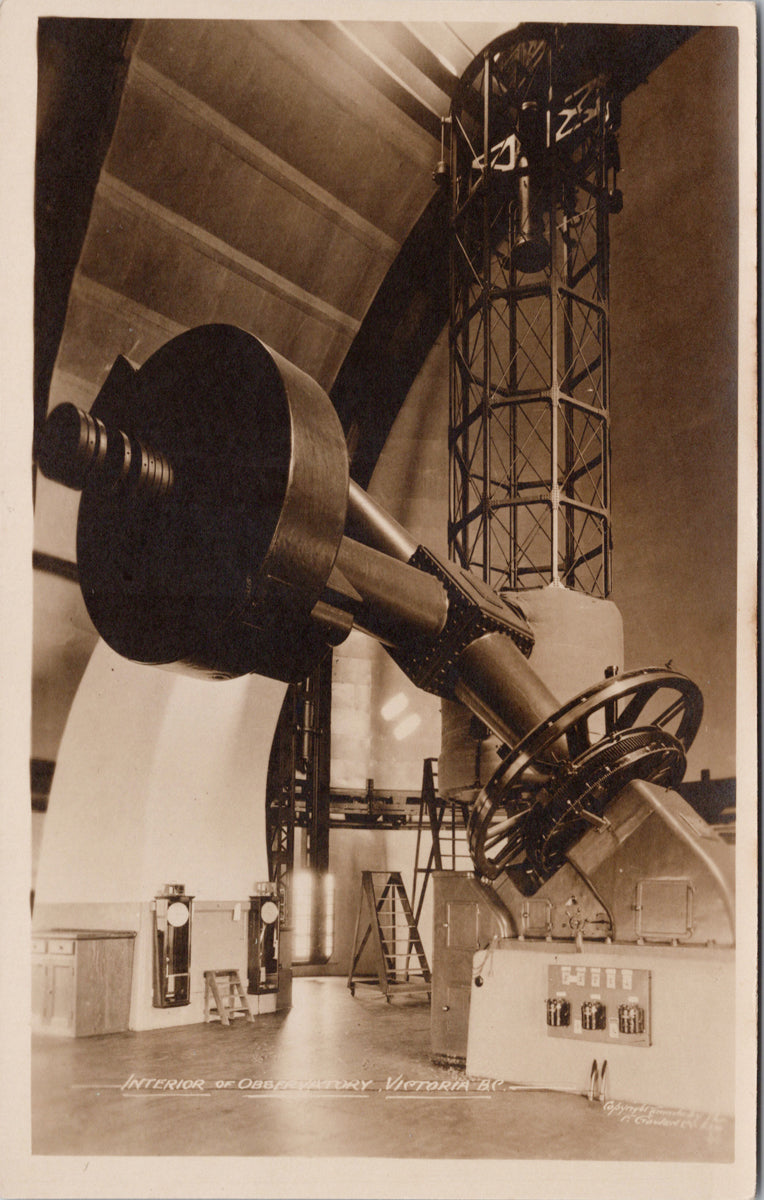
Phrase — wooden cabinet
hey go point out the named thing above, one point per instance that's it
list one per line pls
(81, 981)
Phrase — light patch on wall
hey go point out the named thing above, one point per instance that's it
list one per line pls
(407, 726)
(302, 908)
(393, 707)
(327, 933)
(312, 916)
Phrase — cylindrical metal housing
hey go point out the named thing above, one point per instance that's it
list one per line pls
(399, 603)
(497, 683)
(530, 249)
(373, 525)
(77, 450)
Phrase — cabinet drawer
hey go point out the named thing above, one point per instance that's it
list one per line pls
(60, 946)
(39, 945)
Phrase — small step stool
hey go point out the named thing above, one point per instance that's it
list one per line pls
(224, 997)
(401, 962)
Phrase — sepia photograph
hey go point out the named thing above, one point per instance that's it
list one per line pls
(380, 600)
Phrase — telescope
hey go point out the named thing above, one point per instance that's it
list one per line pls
(219, 533)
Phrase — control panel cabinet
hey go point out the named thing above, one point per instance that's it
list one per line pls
(661, 1017)
(172, 947)
(599, 1003)
(263, 940)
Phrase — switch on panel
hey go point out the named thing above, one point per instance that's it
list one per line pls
(631, 1018)
(558, 1011)
(593, 1015)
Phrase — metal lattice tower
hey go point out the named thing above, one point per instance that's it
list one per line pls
(533, 159)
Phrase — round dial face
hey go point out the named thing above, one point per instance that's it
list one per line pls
(177, 914)
(269, 912)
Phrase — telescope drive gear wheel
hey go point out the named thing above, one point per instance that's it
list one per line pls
(541, 798)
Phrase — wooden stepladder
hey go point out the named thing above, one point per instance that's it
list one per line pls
(401, 961)
(224, 997)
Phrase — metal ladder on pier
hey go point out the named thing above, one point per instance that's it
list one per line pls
(447, 821)
(402, 965)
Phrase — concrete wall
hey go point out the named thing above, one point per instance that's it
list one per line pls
(674, 285)
(160, 779)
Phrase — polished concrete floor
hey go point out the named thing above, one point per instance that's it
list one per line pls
(325, 1078)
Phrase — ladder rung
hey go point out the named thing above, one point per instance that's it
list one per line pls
(224, 996)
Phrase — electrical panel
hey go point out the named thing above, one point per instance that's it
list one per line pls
(263, 940)
(172, 947)
(599, 1004)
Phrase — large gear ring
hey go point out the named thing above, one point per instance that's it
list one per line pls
(633, 726)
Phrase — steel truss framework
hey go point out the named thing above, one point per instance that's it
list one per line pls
(533, 153)
(297, 790)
